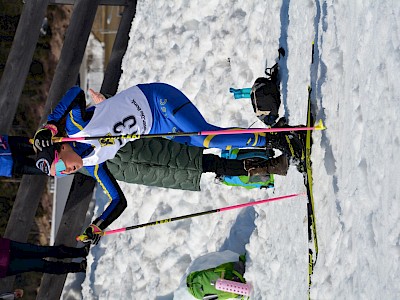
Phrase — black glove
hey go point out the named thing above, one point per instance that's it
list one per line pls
(43, 138)
(92, 234)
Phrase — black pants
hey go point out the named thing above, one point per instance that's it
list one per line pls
(21, 150)
(222, 166)
(26, 257)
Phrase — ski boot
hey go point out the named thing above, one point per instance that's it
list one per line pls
(291, 140)
(301, 164)
(282, 122)
(290, 144)
(63, 251)
(262, 167)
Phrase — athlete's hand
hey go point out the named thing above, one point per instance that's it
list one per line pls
(96, 97)
(92, 234)
(43, 138)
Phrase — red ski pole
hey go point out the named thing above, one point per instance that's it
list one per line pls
(318, 126)
(80, 238)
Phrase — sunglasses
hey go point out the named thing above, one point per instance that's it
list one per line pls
(59, 165)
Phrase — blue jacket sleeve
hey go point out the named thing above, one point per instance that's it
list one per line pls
(75, 97)
(117, 203)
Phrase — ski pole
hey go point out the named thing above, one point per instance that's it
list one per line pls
(318, 126)
(81, 237)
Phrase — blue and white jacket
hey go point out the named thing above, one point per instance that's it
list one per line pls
(72, 107)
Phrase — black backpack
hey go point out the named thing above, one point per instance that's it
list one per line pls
(266, 96)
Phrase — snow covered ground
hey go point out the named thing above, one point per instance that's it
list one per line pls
(204, 48)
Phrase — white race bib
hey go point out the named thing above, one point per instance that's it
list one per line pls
(126, 113)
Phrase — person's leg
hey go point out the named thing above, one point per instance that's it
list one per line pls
(20, 145)
(18, 266)
(248, 167)
(26, 250)
(176, 113)
(222, 166)
(259, 166)
(21, 149)
(25, 166)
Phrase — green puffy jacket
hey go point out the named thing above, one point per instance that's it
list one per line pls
(158, 162)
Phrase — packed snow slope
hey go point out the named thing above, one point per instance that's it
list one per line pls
(206, 47)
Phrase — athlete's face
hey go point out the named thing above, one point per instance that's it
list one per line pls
(73, 162)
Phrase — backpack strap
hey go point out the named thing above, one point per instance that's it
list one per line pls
(272, 73)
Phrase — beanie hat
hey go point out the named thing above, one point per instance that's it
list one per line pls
(45, 158)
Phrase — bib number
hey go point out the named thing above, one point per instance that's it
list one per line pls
(125, 126)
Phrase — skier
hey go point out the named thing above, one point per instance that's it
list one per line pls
(16, 258)
(142, 109)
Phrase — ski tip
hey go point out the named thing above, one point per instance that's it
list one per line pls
(320, 125)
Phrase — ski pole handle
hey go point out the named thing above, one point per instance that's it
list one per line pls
(83, 237)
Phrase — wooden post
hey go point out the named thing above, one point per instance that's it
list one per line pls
(82, 187)
(113, 70)
(19, 60)
(72, 52)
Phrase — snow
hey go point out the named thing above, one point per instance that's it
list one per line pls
(204, 48)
